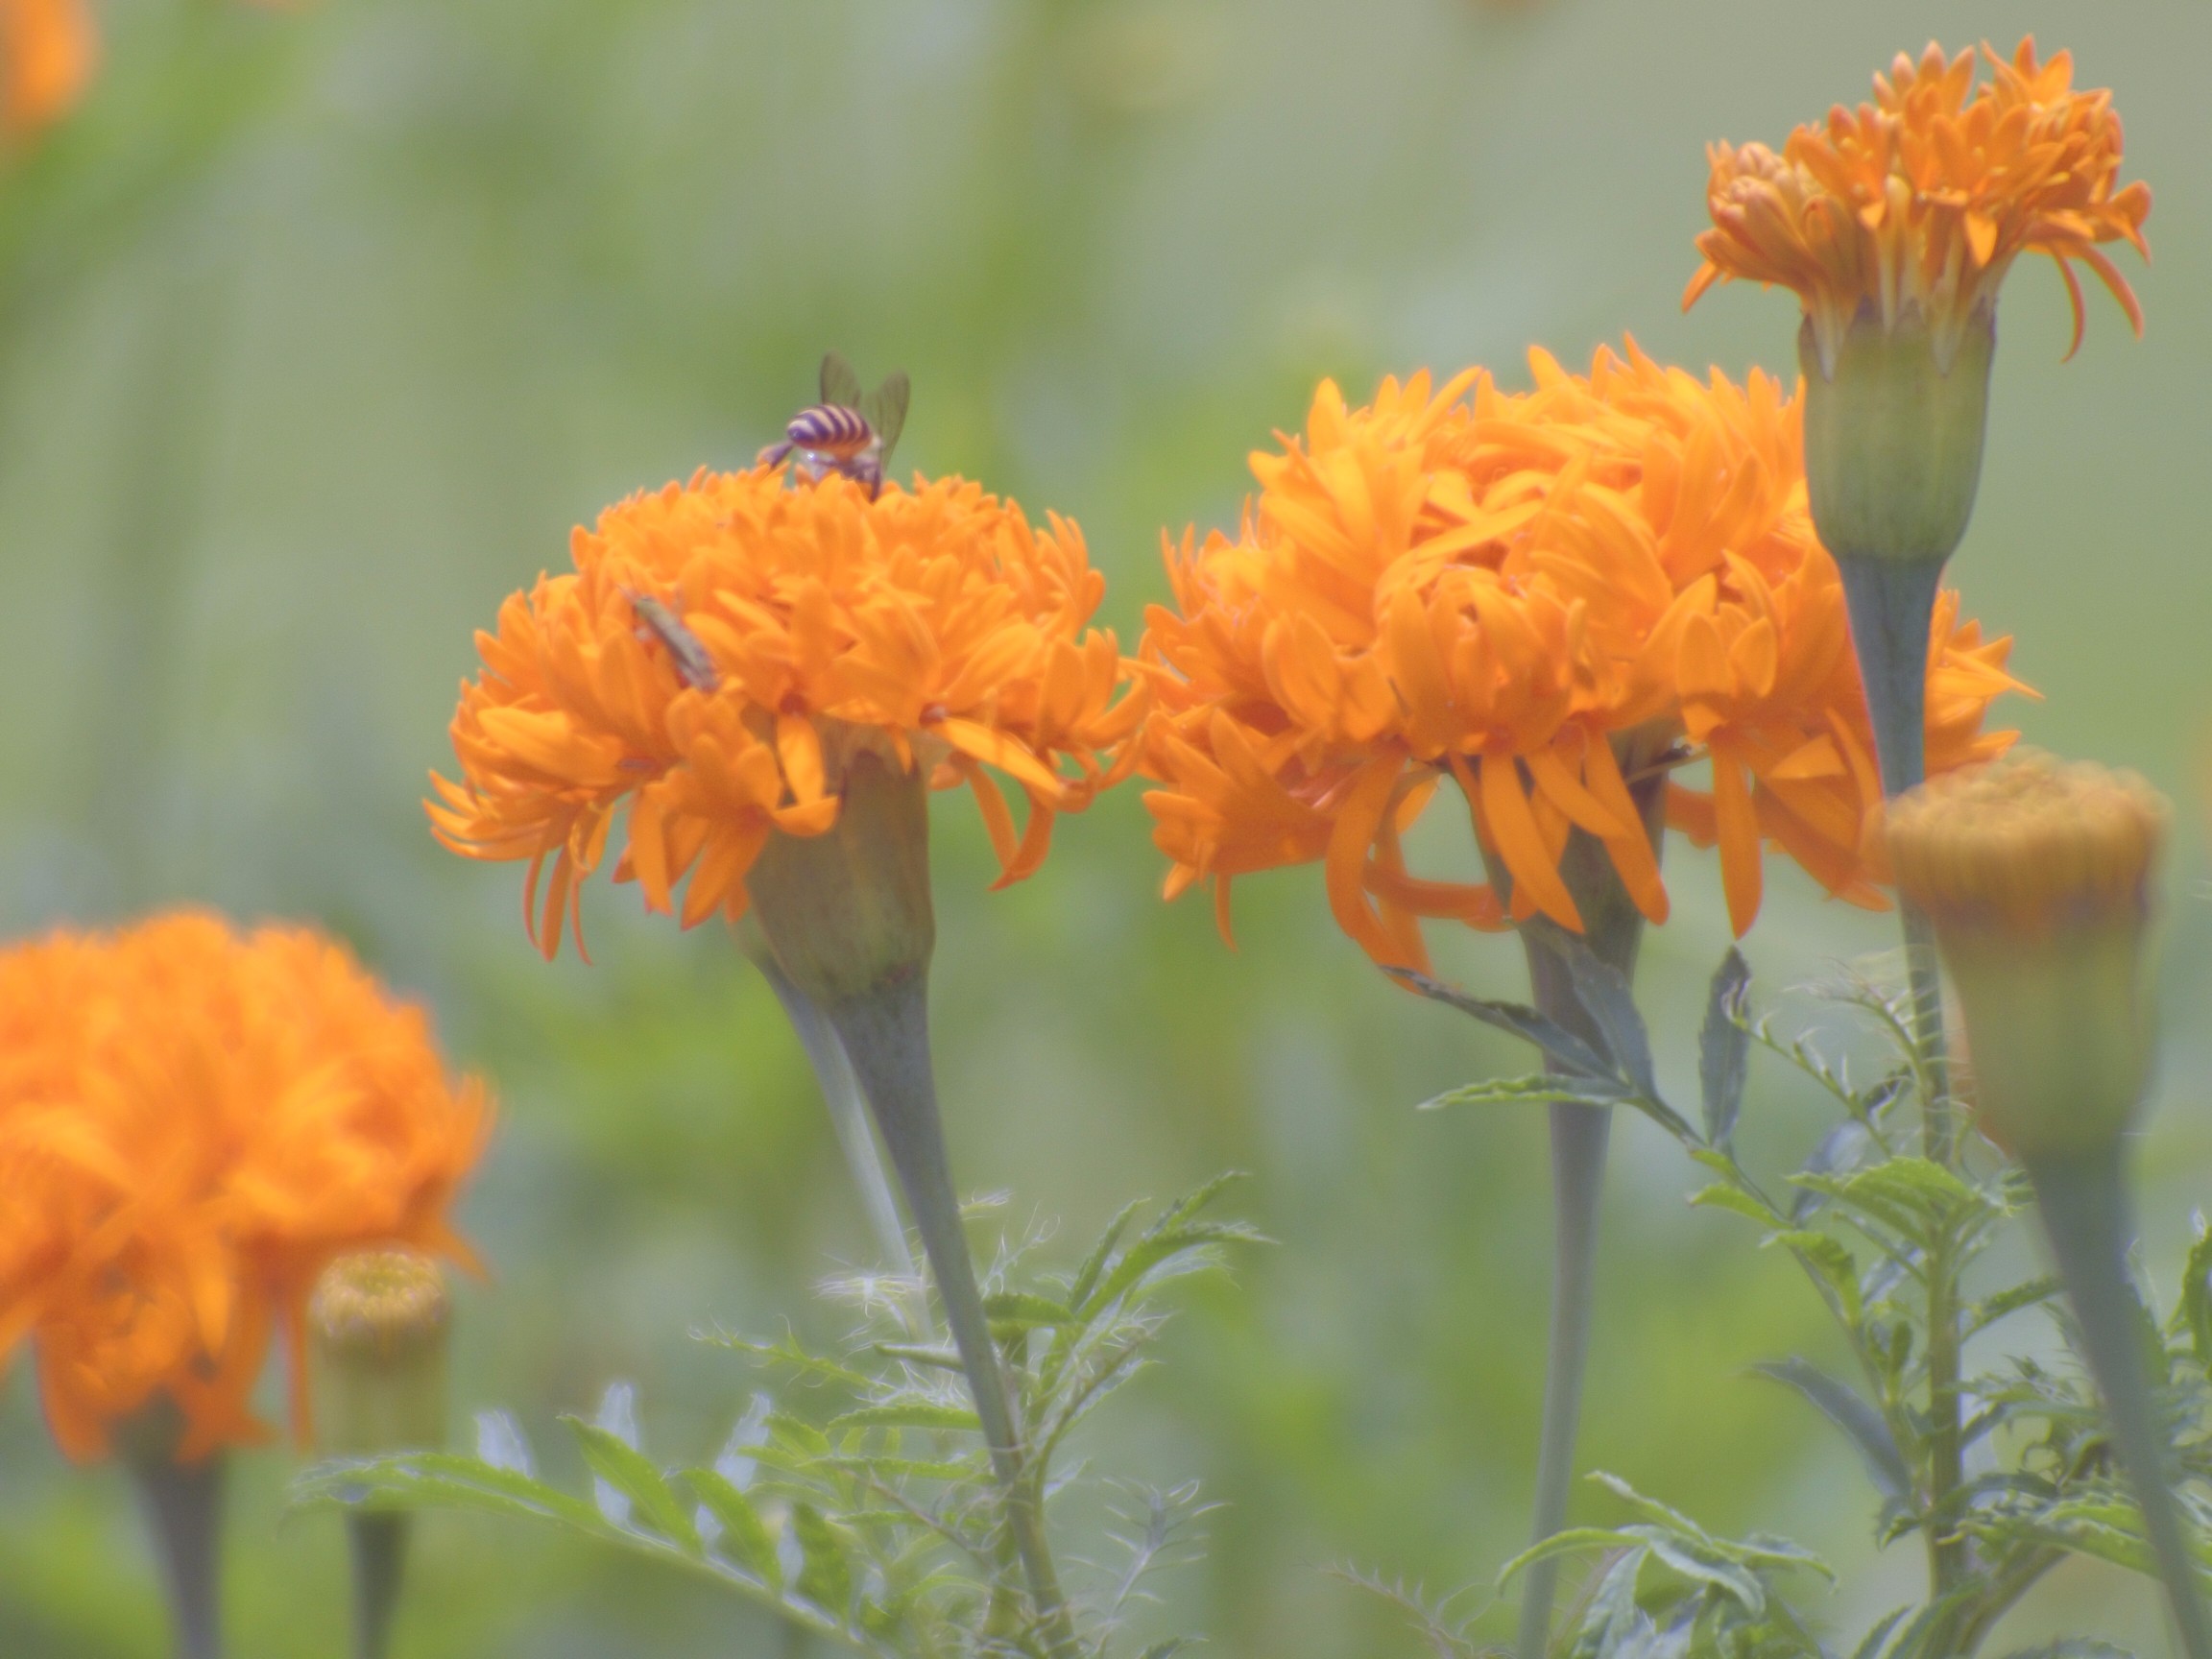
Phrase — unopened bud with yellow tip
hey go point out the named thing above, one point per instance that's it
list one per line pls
(379, 1327)
(2037, 877)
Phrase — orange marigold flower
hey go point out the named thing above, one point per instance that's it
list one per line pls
(47, 49)
(193, 1122)
(1924, 198)
(1543, 597)
(724, 646)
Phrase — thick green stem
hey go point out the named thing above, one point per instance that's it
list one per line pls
(848, 1114)
(379, 1546)
(1578, 1135)
(1891, 603)
(2084, 1204)
(885, 1033)
(1613, 930)
(184, 1505)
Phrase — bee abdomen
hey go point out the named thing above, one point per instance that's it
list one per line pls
(830, 429)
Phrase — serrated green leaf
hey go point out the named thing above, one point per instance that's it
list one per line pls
(916, 1468)
(1870, 1645)
(745, 1538)
(1086, 1278)
(2196, 1305)
(423, 1479)
(793, 1358)
(936, 1359)
(632, 1474)
(2011, 1300)
(1606, 997)
(1725, 1047)
(826, 1577)
(1543, 1089)
(1515, 1019)
(914, 1414)
(1570, 1541)
(1918, 1188)
(1613, 1611)
(1182, 1208)
(1650, 1508)
(1838, 1153)
(1026, 1308)
(1735, 1198)
(793, 1434)
(1146, 1259)
(1860, 1423)
(1703, 1567)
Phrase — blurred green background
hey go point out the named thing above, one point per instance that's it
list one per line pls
(319, 328)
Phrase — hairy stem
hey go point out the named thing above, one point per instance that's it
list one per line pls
(379, 1546)
(885, 1033)
(184, 1505)
(1946, 1550)
(2084, 1204)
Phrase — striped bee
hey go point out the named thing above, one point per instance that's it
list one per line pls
(850, 431)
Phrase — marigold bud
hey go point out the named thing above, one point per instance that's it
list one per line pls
(2036, 876)
(1893, 434)
(379, 1324)
(848, 911)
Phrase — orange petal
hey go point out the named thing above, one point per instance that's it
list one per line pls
(1520, 844)
(1738, 832)
(1358, 820)
(1634, 857)
(997, 749)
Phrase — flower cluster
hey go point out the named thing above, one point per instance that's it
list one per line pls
(724, 647)
(193, 1122)
(1540, 596)
(1922, 199)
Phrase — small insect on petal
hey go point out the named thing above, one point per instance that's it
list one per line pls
(694, 665)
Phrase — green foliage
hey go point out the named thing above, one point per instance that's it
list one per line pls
(872, 1518)
(1661, 1584)
(1885, 1236)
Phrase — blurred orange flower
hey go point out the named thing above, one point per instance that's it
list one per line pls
(1543, 597)
(47, 49)
(1926, 195)
(193, 1122)
(724, 646)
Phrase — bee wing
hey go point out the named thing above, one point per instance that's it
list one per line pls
(885, 410)
(840, 385)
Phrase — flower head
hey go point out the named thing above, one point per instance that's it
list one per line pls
(724, 650)
(47, 49)
(2037, 878)
(193, 1122)
(1539, 597)
(1920, 201)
